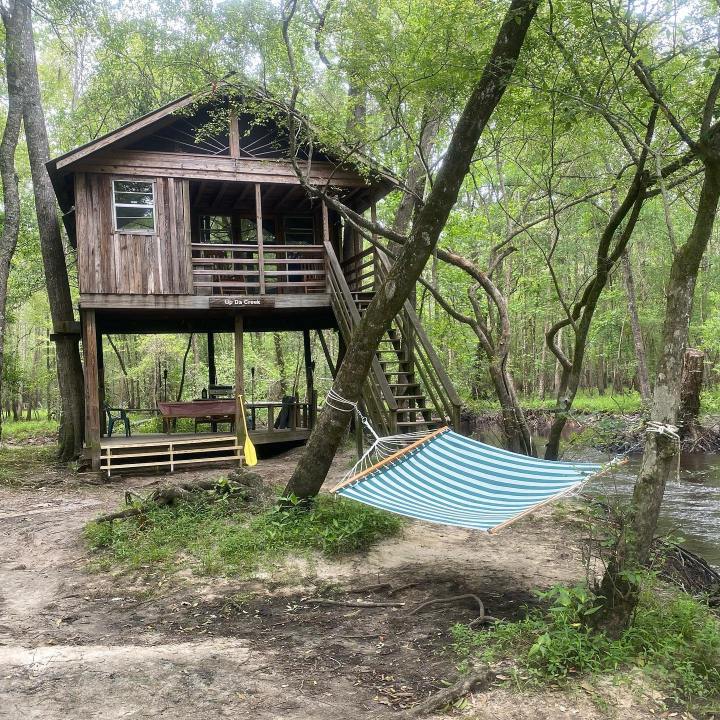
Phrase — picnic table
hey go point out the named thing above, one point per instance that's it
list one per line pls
(211, 411)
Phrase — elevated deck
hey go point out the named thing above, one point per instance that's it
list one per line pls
(174, 451)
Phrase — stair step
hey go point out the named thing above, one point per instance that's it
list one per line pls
(403, 385)
(409, 397)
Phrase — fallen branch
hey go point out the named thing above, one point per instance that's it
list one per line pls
(467, 683)
(349, 603)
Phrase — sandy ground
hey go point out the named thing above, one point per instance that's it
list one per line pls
(77, 644)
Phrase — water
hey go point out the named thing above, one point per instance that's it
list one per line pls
(691, 504)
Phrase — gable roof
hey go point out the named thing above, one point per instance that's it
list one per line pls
(61, 168)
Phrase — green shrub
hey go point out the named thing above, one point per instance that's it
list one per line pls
(673, 637)
(221, 537)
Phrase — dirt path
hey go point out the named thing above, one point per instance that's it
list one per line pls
(76, 644)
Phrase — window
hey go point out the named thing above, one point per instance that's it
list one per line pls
(299, 231)
(223, 230)
(216, 229)
(134, 205)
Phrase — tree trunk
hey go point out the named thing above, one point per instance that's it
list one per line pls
(515, 429)
(638, 341)
(543, 355)
(429, 221)
(280, 360)
(69, 367)
(12, 19)
(608, 252)
(691, 385)
(661, 454)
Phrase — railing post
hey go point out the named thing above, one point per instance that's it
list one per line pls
(258, 223)
(326, 242)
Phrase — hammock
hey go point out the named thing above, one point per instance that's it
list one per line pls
(447, 478)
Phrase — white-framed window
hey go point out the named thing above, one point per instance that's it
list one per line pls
(134, 206)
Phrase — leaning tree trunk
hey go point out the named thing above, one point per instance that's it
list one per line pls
(69, 367)
(12, 18)
(429, 221)
(661, 454)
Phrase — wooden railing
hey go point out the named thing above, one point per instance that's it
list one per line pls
(434, 380)
(380, 404)
(232, 269)
(360, 270)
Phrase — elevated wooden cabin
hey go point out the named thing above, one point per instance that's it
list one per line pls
(193, 219)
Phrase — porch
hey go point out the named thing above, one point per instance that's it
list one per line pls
(175, 451)
(208, 420)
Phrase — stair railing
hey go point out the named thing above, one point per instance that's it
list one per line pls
(434, 379)
(379, 400)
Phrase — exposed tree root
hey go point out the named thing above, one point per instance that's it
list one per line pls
(245, 484)
(467, 683)
(453, 598)
(165, 495)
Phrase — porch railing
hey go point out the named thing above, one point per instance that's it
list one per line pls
(233, 269)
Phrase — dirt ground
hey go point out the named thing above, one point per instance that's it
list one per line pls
(77, 644)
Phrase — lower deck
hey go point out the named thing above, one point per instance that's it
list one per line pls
(174, 451)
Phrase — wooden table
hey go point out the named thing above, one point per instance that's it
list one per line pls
(211, 411)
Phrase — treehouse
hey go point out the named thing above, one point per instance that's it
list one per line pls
(192, 219)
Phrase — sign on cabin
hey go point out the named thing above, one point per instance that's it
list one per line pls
(263, 301)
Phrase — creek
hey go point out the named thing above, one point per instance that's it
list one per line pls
(691, 506)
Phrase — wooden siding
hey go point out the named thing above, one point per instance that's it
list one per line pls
(204, 167)
(127, 263)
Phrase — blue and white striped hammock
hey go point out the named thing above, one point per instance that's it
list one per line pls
(447, 478)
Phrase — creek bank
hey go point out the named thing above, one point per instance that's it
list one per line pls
(609, 432)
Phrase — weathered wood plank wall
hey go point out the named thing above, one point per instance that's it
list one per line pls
(147, 264)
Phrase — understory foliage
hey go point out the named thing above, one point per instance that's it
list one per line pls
(674, 638)
(218, 536)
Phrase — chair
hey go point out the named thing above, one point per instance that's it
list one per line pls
(286, 416)
(120, 417)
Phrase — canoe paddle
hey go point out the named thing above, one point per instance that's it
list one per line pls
(248, 447)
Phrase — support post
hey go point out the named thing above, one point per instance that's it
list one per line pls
(92, 388)
(258, 223)
(326, 241)
(101, 385)
(212, 371)
(239, 381)
(234, 136)
(309, 381)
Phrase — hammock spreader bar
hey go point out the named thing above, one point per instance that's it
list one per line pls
(450, 479)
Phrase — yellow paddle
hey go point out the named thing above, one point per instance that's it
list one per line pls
(248, 447)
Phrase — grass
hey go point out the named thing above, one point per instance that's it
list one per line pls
(674, 638)
(23, 430)
(219, 536)
(20, 464)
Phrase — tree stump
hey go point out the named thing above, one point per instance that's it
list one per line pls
(692, 379)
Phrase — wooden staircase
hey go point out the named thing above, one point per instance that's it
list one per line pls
(407, 388)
